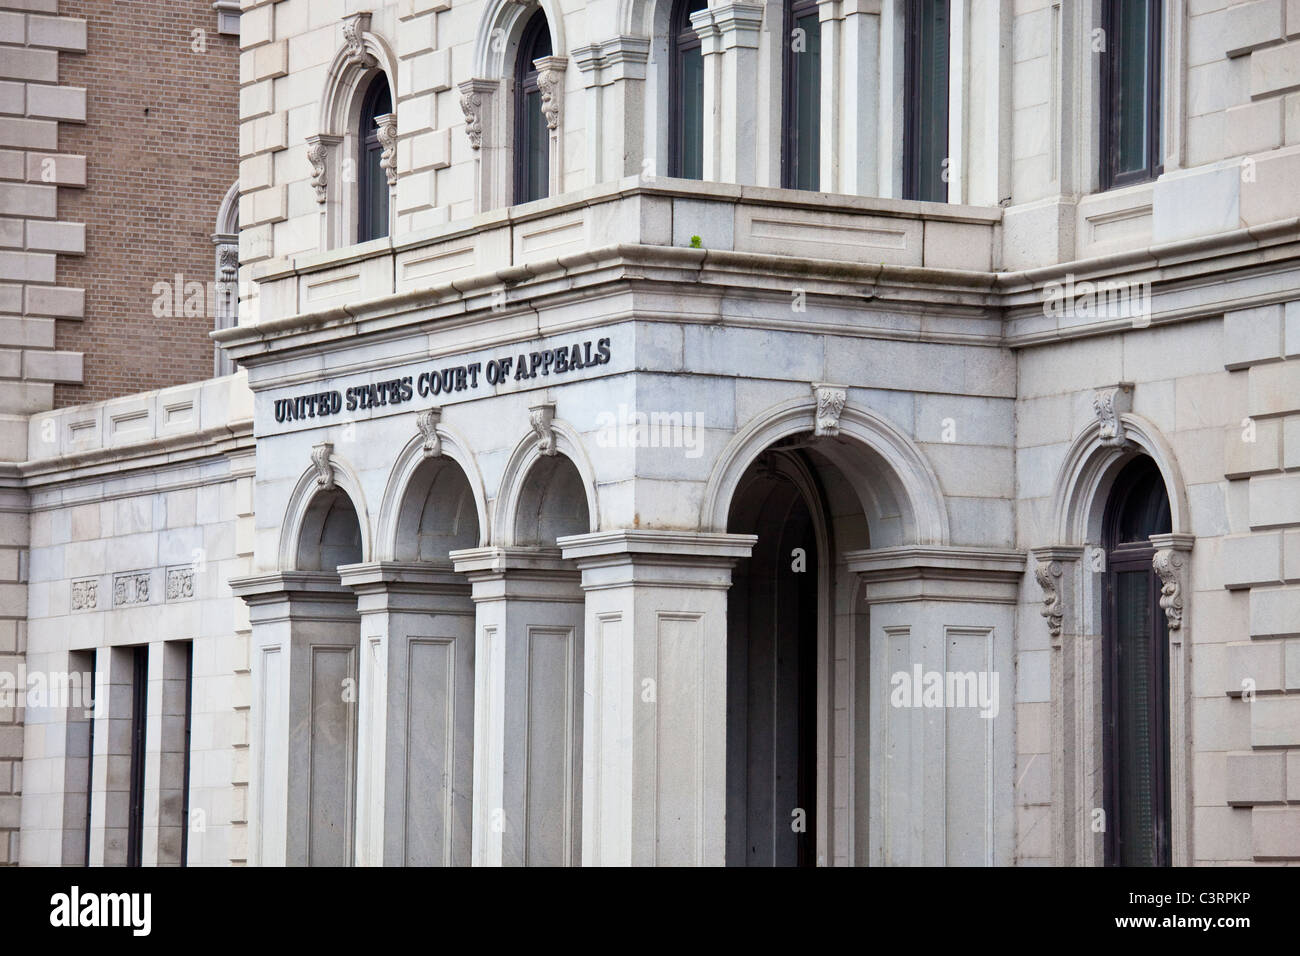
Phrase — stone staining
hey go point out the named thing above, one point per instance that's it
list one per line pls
(180, 583)
(320, 457)
(427, 423)
(1168, 564)
(1048, 574)
(129, 589)
(85, 594)
(1108, 404)
(471, 104)
(540, 417)
(318, 155)
(387, 125)
(830, 405)
(354, 29)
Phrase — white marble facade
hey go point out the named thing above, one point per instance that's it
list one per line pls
(531, 502)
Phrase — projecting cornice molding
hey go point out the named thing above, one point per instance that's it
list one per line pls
(938, 573)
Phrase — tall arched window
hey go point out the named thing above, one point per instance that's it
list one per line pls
(532, 137)
(685, 94)
(802, 95)
(1135, 683)
(372, 209)
(925, 96)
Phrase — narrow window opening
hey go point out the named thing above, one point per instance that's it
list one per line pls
(925, 95)
(532, 136)
(802, 91)
(1131, 127)
(372, 211)
(686, 94)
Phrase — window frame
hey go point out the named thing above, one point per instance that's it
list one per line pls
(368, 145)
(914, 74)
(682, 39)
(1109, 113)
(794, 11)
(1129, 557)
(526, 82)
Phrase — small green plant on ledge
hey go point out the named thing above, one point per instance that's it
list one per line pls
(696, 242)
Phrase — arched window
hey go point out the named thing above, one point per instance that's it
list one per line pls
(802, 93)
(532, 136)
(685, 93)
(372, 179)
(1135, 682)
(925, 96)
(1130, 92)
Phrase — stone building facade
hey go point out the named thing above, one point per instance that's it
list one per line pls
(567, 510)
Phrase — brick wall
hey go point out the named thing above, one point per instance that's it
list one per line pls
(161, 147)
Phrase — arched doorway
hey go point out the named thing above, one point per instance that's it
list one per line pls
(1135, 672)
(772, 663)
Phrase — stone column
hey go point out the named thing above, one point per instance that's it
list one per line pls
(729, 35)
(528, 702)
(1059, 572)
(415, 731)
(110, 798)
(655, 726)
(305, 631)
(550, 82)
(942, 723)
(1172, 564)
(857, 80)
(614, 74)
(478, 101)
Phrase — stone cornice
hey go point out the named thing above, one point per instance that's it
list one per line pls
(939, 573)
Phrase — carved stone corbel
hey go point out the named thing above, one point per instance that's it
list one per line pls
(1109, 404)
(354, 29)
(387, 126)
(1049, 574)
(228, 257)
(471, 104)
(540, 417)
(427, 423)
(318, 154)
(320, 457)
(830, 405)
(1170, 565)
(550, 82)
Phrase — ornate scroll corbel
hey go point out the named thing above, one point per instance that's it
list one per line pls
(1170, 565)
(320, 457)
(427, 423)
(540, 417)
(318, 154)
(550, 82)
(387, 126)
(1109, 404)
(830, 405)
(1049, 575)
(354, 29)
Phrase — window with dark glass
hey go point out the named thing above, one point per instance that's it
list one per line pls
(1130, 92)
(685, 94)
(532, 138)
(139, 700)
(1135, 683)
(372, 213)
(802, 95)
(925, 97)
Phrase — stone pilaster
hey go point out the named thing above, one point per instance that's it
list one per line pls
(416, 724)
(729, 35)
(305, 635)
(528, 702)
(655, 725)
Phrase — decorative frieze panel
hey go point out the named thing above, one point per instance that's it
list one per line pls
(180, 583)
(131, 588)
(85, 594)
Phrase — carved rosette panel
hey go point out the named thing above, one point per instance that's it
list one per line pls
(540, 417)
(387, 127)
(830, 405)
(1048, 574)
(471, 105)
(427, 423)
(320, 457)
(1168, 565)
(129, 589)
(85, 594)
